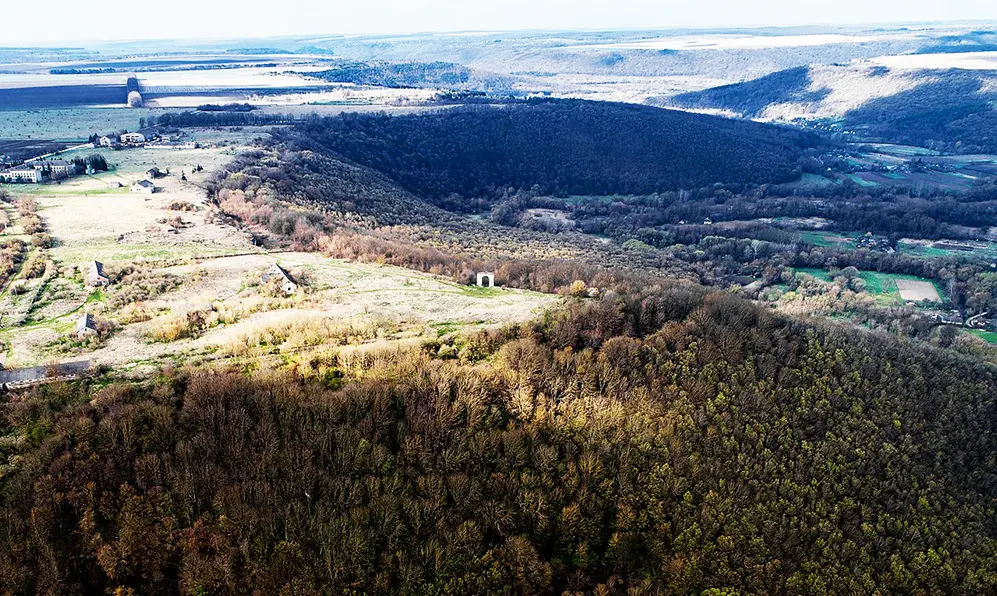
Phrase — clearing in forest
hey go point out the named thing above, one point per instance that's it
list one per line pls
(917, 291)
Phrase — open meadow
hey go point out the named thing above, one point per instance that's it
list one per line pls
(186, 284)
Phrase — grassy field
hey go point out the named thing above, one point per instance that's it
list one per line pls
(988, 336)
(821, 274)
(882, 286)
(93, 220)
(373, 303)
(908, 246)
(929, 249)
(195, 294)
(829, 238)
(70, 123)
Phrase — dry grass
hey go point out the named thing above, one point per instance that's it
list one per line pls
(303, 333)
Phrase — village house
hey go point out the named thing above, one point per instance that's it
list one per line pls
(108, 141)
(132, 138)
(85, 327)
(21, 174)
(275, 272)
(144, 186)
(95, 275)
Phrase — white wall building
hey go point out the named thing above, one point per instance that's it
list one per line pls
(22, 174)
(144, 187)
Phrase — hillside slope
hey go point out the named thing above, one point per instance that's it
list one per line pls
(561, 147)
(903, 99)
(663, 441)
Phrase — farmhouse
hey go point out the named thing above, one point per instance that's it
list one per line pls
(85, 327)
(132, 137)
(275, 272)
(21, 174)
(144, 186)
(95, 275)
(108, 141)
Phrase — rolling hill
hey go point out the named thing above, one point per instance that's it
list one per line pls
(558, 147)
(942, 101)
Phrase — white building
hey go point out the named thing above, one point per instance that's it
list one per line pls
(107, 141)
(21, 174)
(132, 137)
(59, 167)
(95, 275)
(85, 327)
(144, 187)
(275, 272)
(486, 280)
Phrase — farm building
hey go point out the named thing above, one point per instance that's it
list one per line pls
(132, 137)
(275, 272)
(153, 173)
(486, 280)
(95, 275)
(144, 186)
(85, 327)
(21, 174)
(108, 141)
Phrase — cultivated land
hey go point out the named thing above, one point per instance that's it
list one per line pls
(917, 291)
(188, 286)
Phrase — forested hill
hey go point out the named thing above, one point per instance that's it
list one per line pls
(654, 442)
(751, 98)
(563, 147)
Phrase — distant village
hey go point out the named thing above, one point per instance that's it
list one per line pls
(50, 168)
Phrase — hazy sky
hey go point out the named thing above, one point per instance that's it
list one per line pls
(66, 20)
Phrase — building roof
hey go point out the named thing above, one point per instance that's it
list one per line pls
(145, 184)
(276, 271)
(85, 322)
(96, 268)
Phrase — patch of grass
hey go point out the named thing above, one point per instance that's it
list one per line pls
(62, 190)
(444, 328)
(478, 291)
(110, 252)
(821, 274)
(878, 283)
(987, 336)
(860, 181)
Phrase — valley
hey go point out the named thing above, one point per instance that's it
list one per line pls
(646, 311)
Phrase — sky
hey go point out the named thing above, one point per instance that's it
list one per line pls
(72, 20)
